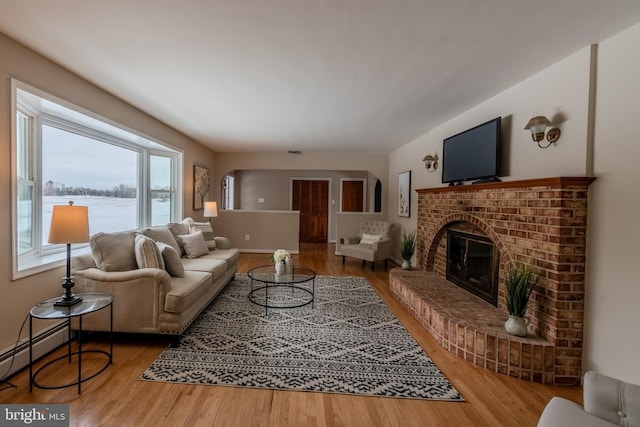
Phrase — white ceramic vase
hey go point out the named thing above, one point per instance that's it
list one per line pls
(516, 326)
(288, 264)
(406, 264)
(280, 267)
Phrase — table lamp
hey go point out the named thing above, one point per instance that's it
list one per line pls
(210, 210)
(69, 224)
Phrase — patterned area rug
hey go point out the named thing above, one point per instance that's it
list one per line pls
(348, 342)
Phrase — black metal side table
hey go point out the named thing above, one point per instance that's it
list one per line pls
(91, 303)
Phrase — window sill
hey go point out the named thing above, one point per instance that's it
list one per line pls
(46, 263)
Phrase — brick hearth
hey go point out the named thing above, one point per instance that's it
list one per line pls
(541, 223)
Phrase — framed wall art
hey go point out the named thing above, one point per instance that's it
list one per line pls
(404, 194)
(201, 184)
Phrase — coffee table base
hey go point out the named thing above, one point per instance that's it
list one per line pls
(266, 304)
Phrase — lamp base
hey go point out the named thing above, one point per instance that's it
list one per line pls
(67, 301)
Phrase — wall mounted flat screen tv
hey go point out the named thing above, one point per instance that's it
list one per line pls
(473, 154)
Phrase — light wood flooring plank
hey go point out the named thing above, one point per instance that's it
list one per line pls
(117, 398)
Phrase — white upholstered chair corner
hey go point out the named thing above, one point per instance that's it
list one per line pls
(378, 250)
(607, 402)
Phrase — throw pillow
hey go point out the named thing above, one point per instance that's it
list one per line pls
(194, 244)
(370, 239)
(162, 234)
(171, 259)
(147, 253)
(114, 251)
(207, 232)
(178, 229)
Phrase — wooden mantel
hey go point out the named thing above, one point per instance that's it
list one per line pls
(555, 182)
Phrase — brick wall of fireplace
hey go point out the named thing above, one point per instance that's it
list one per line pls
(541, 223)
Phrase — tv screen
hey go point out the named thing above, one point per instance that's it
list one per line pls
(472, 154)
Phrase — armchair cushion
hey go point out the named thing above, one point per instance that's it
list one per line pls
(370, 239)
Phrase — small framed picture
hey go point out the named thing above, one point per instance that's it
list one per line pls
(404, 194)
(200, 185)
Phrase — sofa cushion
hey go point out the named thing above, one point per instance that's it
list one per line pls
(230, 256)
(216, 267)
(207, 232)
(114, 251)
(171, 258)
(162, 234)
(147, 253)
(194, 244)
(187, 291)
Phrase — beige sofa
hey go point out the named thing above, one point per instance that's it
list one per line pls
(160, 278)
(607, 402)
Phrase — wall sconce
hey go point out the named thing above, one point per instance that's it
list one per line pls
(430, 162)
(537, 125)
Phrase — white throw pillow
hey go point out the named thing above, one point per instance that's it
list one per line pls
(194, 244)
(370, 239)
(207, 232)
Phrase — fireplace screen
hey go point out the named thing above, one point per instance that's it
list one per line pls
(472, 264)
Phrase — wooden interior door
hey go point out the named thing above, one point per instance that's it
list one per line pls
(311, 198)
(352, 196)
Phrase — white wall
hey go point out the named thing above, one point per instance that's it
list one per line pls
(560, 91)
(612, 340)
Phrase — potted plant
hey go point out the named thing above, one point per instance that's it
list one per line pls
(520, 283)
(407, 248)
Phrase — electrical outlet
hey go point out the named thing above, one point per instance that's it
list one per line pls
(260, 199)
(247, 237)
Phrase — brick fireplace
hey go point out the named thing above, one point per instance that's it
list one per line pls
(541, 223)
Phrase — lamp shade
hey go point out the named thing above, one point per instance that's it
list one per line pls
(210, 209)
(69, 224)
(537, 124)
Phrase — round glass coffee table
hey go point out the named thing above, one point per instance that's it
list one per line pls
(293, 289)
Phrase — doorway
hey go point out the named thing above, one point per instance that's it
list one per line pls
(311, 198)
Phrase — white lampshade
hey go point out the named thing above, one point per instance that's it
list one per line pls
(69, 224)
(210, 209)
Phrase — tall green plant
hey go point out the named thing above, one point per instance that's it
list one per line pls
(520, 284)
(408, 245)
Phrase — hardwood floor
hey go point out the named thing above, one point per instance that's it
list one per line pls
(117, 398)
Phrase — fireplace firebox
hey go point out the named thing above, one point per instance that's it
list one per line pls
(472, 264)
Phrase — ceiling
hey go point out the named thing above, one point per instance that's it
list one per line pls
(309, 75)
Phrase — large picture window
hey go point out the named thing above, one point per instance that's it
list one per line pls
(126, 180)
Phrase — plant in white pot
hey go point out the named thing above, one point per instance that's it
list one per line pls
(520, 283)
(407, 248)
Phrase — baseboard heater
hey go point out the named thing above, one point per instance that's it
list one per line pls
(17, 357)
